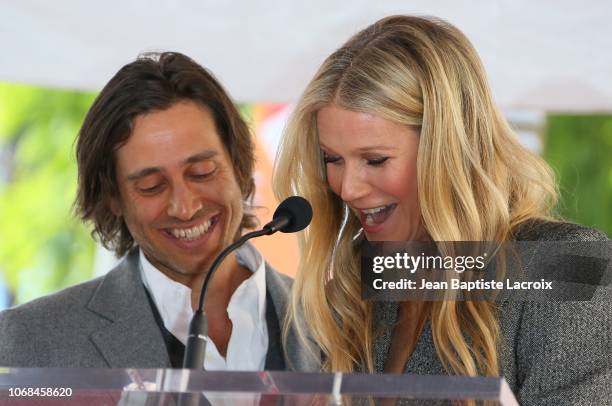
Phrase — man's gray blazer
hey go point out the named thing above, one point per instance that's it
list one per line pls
(108, 322)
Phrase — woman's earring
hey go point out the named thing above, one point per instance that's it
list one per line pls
(359, 234)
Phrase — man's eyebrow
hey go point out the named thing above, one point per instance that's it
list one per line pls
(202, 156)
(142, 173)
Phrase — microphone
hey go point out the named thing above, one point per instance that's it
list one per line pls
(292, 215)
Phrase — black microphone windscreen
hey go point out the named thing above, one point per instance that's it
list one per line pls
(297, 210)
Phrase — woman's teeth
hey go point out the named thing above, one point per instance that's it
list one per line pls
(191, 233)
(374, 210)
(377, 215)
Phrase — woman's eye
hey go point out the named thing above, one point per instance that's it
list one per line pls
(330, 159)
(377, 161)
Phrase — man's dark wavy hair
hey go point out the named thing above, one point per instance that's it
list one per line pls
(154, 82)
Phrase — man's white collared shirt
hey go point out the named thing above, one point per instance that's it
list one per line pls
(248, 343)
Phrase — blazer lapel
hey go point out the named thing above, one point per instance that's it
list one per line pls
(299, 356)
(275, 361)
(384, 317)
(424, 359)
(132, 339)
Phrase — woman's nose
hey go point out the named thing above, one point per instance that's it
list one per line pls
(354, 184)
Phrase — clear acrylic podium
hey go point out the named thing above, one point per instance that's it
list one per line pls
(93, 387)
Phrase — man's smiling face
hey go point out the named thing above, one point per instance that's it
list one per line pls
(178, 192)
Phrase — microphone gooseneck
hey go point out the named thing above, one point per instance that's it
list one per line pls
(292, 215)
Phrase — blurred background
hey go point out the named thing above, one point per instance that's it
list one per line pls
(549, 66)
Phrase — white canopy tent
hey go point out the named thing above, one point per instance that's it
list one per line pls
(545, 56)
(540, 56)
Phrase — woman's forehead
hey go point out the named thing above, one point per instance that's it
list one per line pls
(340, 128)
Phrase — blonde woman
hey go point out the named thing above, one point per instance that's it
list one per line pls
(397, 138)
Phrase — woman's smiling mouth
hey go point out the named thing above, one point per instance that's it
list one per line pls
(375, 216)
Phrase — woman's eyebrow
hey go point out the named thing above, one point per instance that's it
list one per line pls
(379, 147)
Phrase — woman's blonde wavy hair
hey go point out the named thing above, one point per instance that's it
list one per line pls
(475, 180)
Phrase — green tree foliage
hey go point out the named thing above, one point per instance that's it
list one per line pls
(42, 247)
(579, 148)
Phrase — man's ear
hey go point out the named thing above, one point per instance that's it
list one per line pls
(115, 206)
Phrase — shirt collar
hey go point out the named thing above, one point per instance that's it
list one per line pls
(249, 257)
(172, 298)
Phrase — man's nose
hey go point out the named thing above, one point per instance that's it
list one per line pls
(183, 204)
(354, 184)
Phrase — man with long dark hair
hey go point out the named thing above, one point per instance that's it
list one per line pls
(165, 165)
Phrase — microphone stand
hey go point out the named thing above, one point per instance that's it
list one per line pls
(292, 215)
(195, 350)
